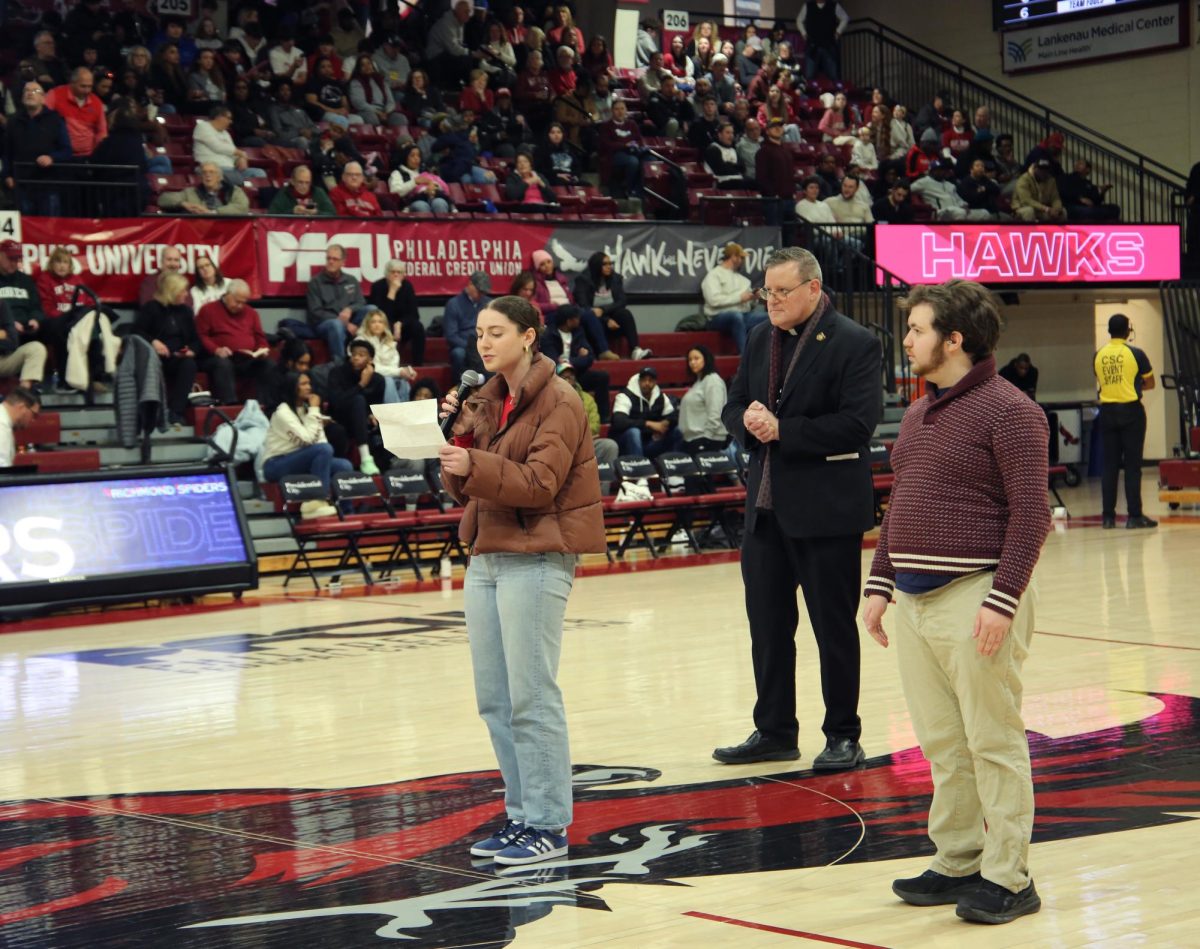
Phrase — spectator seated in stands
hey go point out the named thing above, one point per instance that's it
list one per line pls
(702, 130)
(351, 198)
(564, 341)
(171, 258)
(326, 97)
(728, 299)
(526, 187)
(749, 51)
(979, 192)
(813, 210)
(371, 98)
(209, 283)
(668, 109)
(394, 295)
(423, 100)
(477, 96)
(296, 441)
(396, 377)
(941, 193)
(601, 290)
(174, 31)
(393, 65)
(747, 148)
(851, 212)
(555, 160)
(620, 149)
(650, 81)
(234, 344)
(829, 174)
(458, 154)
(20, 294)
(206, 81)
(445, 51)
(532, 94)
(291, 125)
(932, 116)
(422, 191)
(426, 388)
(300, 196)
(35, 136)
(501, 129)
(901, 134)
(922, 155)
(722, 161)
(1036, 196)
(294, 356)
(25, 362)
(956, 136)
(700, 425)
(1022, 373)
(334, 303)
(677, 62)
(864, 155)
(348, 34)
(643, 417)
(894, 207)
(211, 142)
(606, 449)
(1050, 148)
(353, 387)
(835, 124)
(499, 61)
(552, 290)
(1008, 168)
(561, 75)
(167, 324)
(82, 110)
(458, 323)
(57, 284)
(18, 410)
(764, 80)
(251, 116)
(213, 195)
(286, 59)
(1083, 200)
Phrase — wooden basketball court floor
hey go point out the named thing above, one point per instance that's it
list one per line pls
(307, 772)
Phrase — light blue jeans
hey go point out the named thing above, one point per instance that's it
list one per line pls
(738, 324)
(514, 605)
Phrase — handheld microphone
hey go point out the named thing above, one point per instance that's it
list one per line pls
(470, 380)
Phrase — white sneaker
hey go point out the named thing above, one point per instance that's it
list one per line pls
(639, 353)
(311, 509)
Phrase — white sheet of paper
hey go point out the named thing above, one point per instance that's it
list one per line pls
(410, 429)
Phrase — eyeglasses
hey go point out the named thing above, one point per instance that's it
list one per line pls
(766, 295)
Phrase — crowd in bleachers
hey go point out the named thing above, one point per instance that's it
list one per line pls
(299, 110)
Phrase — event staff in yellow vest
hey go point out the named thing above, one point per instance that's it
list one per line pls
(1123, 373)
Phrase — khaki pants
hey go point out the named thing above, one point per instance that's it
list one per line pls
(966, 710)
(27, 363)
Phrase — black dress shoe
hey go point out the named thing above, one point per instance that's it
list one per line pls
(1109, 522)
(1135, 523)
(756, 748)
(991, 903)
(935, 889)
(840, 754)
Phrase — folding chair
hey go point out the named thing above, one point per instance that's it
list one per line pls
(381, 523)
(294, 490)
(403, 489)
(634, 468)
(724, 490)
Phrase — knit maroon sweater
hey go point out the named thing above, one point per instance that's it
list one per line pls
(970, 489)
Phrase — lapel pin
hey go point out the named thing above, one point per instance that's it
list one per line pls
(820, 337)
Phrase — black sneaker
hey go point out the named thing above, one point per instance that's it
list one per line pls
(1139, 522)
(756, 748)
(840, 754)
(992, 903)
(1109, 522)
(935, 889)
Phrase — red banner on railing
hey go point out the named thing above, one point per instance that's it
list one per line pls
(113, 256)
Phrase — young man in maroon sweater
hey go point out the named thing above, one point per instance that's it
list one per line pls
(963, 532)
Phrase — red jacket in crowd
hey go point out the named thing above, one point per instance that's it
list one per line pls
(358, 202)
(217, 326)
(56, 292)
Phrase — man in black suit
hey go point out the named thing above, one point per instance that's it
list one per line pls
(804, 403)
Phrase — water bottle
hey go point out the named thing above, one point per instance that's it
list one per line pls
(445, 568)
(335, 585)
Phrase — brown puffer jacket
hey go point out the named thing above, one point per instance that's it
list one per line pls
(533, 486)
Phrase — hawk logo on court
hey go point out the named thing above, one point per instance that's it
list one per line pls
(363, 866)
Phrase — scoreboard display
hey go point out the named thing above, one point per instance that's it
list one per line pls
(1010, 14)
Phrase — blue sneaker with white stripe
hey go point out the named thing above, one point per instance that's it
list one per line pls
(533, 845)
(499, 840)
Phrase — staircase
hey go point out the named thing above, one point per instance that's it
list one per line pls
(874, 54)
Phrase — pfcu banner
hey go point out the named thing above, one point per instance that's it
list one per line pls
(278, 256)
(1026, 254)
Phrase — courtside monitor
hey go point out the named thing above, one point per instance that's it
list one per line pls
(79, 538)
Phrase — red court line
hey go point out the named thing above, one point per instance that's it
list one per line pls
(779, 930)
(1118, 642)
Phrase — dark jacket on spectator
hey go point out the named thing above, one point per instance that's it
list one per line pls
(885, 212)
(631, 409)
(403, 307)
(20, 294)
(552, 346)
(515, 188)
(702, 132)
(342, 386)
(28, 137)
(660, 110)
(456, 155)
(979, 193)
(585, 292)
(327, 296)
(124, 147)
(556, 165)
(616, 137)
(173, 326)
